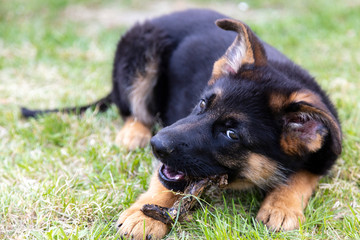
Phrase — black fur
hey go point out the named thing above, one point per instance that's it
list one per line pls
(102, 105)
(186, 57)
(187, 44)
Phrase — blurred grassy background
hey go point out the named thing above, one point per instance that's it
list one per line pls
(62, 177)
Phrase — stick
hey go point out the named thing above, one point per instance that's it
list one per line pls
(183, 205)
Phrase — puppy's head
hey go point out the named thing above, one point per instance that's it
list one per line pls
(253, 122)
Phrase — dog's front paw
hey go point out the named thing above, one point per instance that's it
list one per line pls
(134, 134)
(279, 217)
(135, 225)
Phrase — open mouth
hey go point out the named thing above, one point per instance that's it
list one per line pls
(170, 174)
(172, 179)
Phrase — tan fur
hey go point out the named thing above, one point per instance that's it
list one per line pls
(219, 93)
(316, 144)
(136, 130)
(237, 116)
(231, 62)
(292, 145)
(307, 96)
(259, 171)
(131, 221)
(133, 134)
(290, 142)
(283, 207)
(240, 184)
(328, 117)
(277, 101)
(249, 56)
(141, 92)
(217, 70)
(315, 100)
(239, 53)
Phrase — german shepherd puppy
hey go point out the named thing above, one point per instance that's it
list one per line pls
(231, 105)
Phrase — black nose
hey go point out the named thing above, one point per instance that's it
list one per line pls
(160, 147)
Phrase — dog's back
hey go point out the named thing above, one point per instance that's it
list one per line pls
(189, 43)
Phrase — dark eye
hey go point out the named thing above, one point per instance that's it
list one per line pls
(232, 134)
(202, 104)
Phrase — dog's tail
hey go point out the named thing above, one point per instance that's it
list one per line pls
(102, 104)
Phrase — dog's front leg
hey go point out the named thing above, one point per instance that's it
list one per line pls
(134, 224)
(283, 207)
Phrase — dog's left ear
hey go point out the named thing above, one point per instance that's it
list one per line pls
(246, 49)
(307, 123)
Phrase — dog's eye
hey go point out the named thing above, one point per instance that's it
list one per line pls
(202, 104)
(232, 134)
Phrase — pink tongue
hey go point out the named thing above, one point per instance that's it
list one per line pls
(172, 174)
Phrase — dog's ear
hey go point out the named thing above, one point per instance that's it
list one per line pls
(246, 49)
(307, 123)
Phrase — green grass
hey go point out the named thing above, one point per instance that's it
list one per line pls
(63, 177)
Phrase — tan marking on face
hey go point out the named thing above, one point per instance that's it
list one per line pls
(277, 101)
(141, 92)
(237, 116)
(219, 92)
(306, 96)
(257, 171)
(133, 134)
(283, 206)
